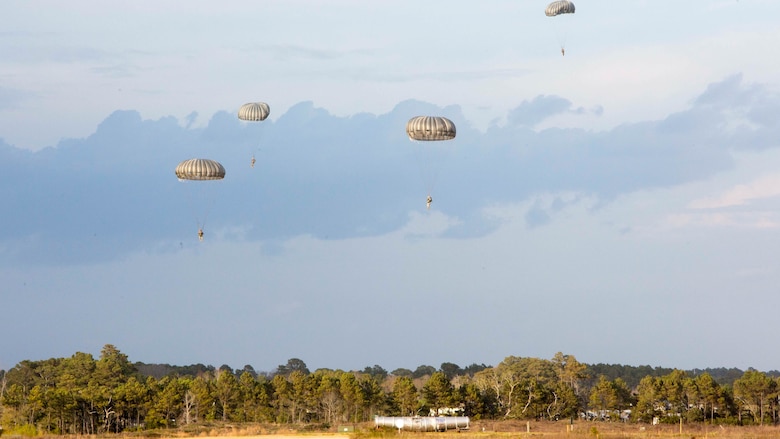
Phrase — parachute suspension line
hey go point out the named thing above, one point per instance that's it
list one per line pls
(430, 159)
(564, 35)
(208, 195)
(255, 149)
(423, 165)
(258, 149)
(191, 204)
(560, 32)
(435, 163)
(200, 200)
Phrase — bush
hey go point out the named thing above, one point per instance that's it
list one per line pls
(27, 430)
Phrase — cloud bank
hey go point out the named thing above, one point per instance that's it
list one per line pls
(338, 177)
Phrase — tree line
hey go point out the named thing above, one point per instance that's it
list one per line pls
(84, 395)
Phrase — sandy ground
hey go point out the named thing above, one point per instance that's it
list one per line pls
(283, 436)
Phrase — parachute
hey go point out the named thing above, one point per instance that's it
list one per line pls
(423, 129)
(200, 169)
(558, 8)
(430, 128)
(555, 9)
(254, 112)
(197, 172)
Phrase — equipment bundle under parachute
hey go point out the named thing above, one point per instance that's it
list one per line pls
(426, 129)
(254, 112)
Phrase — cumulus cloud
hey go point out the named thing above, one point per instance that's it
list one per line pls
(288, 52)
(742, 194)
(11, 98)
(190, 119)
(530, 113)
(746, 220)
(339, 177)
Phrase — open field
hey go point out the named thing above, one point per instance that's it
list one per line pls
(479, 430)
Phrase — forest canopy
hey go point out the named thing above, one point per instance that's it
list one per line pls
(110, 394)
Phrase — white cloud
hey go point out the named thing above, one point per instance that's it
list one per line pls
(725, 219)
(742, 194)
(428, 224)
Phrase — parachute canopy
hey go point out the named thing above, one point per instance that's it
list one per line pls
(430, 128)
(200, 169)
(254, 111)
(559, 7)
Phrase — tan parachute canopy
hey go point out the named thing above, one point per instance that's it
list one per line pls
(254, 111)
(558, 8)
(200, 169)
(430, 128)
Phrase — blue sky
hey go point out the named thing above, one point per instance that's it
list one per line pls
(619, 204)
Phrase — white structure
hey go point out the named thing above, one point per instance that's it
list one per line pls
(446, 411)
(420, 423)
